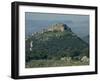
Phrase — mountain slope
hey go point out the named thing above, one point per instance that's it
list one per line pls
(86, 39)
(55, 44)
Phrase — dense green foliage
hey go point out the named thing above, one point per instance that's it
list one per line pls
(54, 45)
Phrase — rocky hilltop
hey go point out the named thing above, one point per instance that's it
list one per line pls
(59, 27)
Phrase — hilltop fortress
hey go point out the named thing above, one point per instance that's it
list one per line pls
(59, 27)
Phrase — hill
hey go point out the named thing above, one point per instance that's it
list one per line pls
(86, 39)
(55, 44)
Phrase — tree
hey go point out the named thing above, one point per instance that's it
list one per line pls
(85, 52)
(75, 53)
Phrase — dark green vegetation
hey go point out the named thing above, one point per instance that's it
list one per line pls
(50, 47)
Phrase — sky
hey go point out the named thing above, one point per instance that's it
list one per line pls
(36, 21)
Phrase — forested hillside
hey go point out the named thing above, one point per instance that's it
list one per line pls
(54, 45)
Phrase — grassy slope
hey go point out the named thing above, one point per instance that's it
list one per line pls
(53, 63)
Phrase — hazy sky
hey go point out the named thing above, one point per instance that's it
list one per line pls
(36, 21)
(49, 16)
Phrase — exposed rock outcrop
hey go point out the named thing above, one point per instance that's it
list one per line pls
(59, 27)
